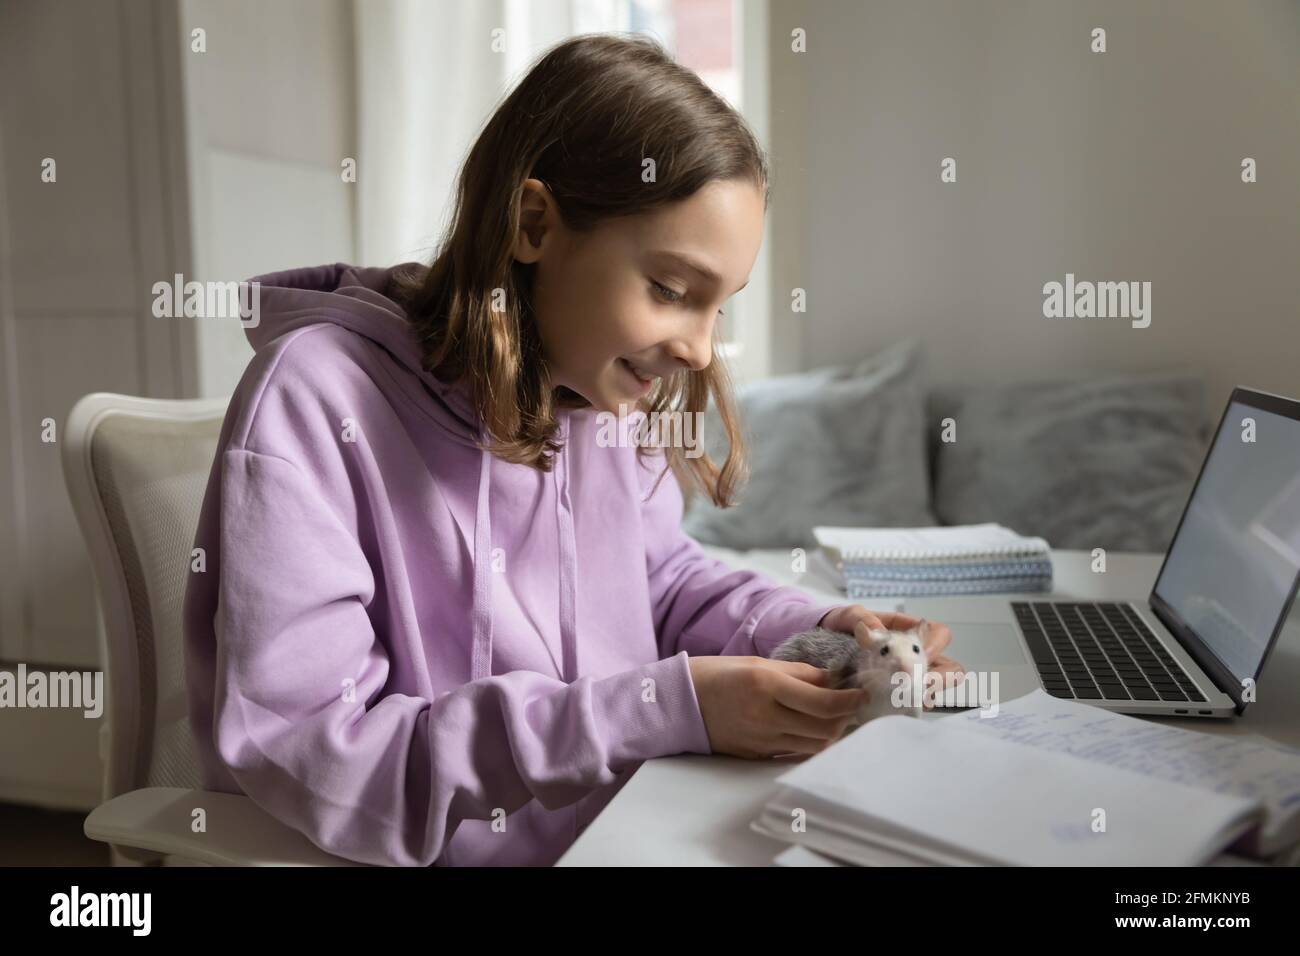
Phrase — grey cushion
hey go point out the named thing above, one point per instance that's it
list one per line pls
(1097, 464)
(840, 445)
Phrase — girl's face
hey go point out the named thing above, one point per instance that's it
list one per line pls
(622, 303)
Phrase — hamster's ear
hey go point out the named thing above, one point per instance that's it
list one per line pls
(928, 635)
(869, 637)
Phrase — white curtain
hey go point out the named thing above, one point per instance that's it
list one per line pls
(428, 77)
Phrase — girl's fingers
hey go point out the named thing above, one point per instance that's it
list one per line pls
(952, 673)
(868, 621)
(794, 744)
(847, 617)
(937, 637)
(790, 721)
(817, 701)
(799, 670)
(946, 665)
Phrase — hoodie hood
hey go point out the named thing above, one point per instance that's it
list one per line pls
(353, 297)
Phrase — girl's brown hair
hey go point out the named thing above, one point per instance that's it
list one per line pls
(582, 121)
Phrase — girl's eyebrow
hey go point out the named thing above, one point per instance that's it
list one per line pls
(697, 267)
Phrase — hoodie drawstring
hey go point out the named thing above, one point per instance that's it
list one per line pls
(481, 654)
(568, 561)
(481, 651)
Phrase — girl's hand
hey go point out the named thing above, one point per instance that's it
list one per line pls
(937, 636)
(754, 707)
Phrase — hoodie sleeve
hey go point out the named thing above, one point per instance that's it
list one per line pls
(303, 724)
(701, 605)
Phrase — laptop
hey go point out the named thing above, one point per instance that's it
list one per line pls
(1198, 644)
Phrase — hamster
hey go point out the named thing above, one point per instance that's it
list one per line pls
(869, 660)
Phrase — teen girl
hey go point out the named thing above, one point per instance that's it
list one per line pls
(440, 621)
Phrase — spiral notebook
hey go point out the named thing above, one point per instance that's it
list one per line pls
(951, 570)
(939, 545)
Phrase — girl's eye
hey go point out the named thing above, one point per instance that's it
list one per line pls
(673, 296)
(669, 295)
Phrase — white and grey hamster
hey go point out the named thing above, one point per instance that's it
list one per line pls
(868, 660)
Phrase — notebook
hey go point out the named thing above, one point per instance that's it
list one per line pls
(1267, 774)
(1024, 788)
(858, 590)
(956, 570)
(800, 855)
(975, 542)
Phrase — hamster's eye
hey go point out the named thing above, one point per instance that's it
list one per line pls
(915, 649)
(884, 651)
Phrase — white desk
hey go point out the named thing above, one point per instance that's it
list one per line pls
(694, 810)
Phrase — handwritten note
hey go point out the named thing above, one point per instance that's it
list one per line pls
(1230, 765)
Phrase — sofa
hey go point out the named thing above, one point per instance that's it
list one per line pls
(1102, 462)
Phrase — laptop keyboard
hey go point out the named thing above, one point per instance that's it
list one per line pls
(1100, 651)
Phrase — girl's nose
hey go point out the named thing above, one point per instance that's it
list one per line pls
(694, 354)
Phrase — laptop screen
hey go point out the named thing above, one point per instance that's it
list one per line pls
(1233, 563)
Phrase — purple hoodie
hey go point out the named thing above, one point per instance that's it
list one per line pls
(412, 651)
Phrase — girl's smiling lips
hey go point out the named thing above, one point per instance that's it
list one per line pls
(643, 383)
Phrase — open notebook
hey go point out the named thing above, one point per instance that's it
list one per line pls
(1025, 787)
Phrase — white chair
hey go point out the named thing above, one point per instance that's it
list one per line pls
(136, 470)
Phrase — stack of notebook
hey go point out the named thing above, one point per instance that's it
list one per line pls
(1040, 782)
(959, 559)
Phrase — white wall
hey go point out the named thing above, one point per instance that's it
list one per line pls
(84, 83)
(1116, 166)
(270, 113)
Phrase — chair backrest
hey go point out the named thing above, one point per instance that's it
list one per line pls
(136, 470)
